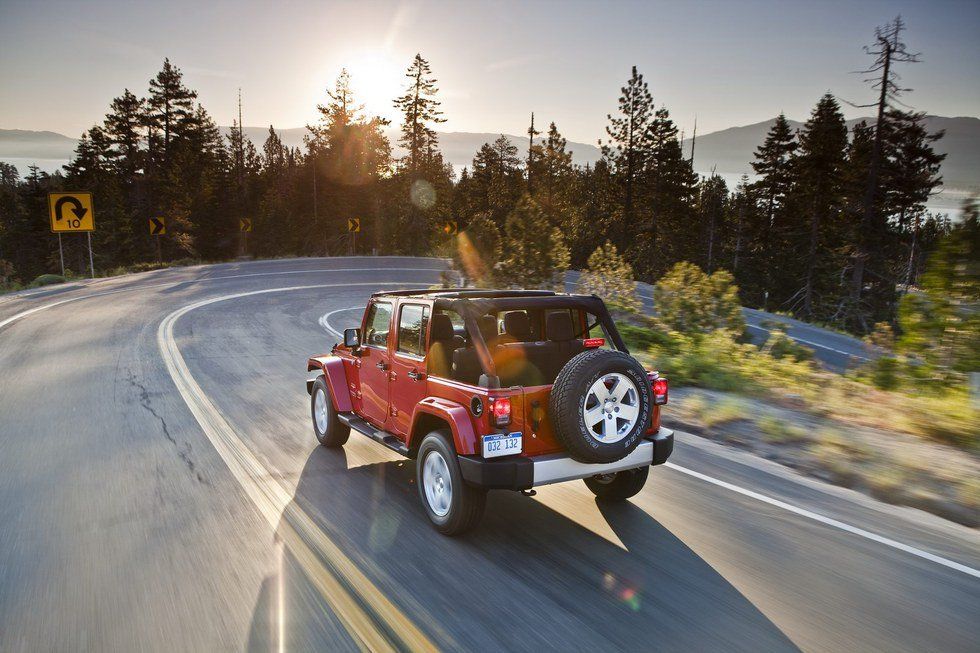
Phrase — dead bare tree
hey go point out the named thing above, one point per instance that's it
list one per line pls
(887, 50)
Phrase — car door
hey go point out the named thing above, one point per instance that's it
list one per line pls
(375, 361)
(408, 385)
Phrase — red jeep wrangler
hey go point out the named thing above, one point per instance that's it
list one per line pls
(488, 389)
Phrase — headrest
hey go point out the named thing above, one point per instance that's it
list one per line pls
(488, 328)
(560, 327)
(517, 324)
(442, 327)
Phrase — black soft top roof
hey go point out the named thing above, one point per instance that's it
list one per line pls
(458, 293)
(471, 303)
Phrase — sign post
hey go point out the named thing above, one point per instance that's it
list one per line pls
(72, 212)
(245, 226)
(158, 227)
(451, 228)
(353, 226)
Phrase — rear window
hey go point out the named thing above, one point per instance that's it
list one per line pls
(413, 324)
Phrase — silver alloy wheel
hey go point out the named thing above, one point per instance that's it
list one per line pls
(611, 408)
(320, 411)
(437, 483)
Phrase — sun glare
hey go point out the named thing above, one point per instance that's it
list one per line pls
(377, 79)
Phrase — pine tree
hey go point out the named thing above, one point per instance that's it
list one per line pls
(817, 189)
(772, 164)
(535, 252)
(421, 109)
(669, 185)
(124, 126)
(169, 106)
(712, 197)
(626, 146)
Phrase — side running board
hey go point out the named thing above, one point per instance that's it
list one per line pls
(383, 437)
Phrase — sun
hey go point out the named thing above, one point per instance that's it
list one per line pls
(377, 79)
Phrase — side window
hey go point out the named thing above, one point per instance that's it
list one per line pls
(413, 323)
(378, 324)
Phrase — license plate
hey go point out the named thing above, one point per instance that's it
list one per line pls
(502, 444)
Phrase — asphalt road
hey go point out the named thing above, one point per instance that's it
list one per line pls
(161, 489)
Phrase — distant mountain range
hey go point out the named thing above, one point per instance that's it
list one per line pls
(728, 151)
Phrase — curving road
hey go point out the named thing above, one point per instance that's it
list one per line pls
(160, 489)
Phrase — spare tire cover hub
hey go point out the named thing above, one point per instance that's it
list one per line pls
(611, 407)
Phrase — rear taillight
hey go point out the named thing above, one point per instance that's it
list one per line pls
(500, 410)
(659, 391)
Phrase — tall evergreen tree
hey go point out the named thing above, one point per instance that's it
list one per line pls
(421, 110)
(772, 164)
(818, 198)
(169, 107)
(627, 133)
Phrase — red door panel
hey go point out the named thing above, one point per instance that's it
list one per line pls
(375, 362)
(408, 385)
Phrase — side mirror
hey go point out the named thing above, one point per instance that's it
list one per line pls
(352, 338)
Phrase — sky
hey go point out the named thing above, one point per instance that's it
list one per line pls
(723, 63)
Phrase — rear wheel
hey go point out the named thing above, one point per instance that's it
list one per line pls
(601, 405)
(452, 506)
(329, 430)
(620, 485)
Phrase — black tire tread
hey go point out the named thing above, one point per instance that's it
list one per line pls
(562, 396)
(472, 500)
(627, 483)
(337, 432)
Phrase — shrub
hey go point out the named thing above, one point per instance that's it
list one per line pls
(47, 280)
(610, 276)
(885, 373)
(779, 345)
(690, 301)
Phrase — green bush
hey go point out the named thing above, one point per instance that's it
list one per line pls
(779, 345)
(47, 280)
(640, 339)
(885, 373)
(610, 277)
(690, 301)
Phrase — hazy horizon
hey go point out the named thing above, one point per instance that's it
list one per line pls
(565, 63)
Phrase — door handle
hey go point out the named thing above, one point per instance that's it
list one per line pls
(415, 375)
(382, 366)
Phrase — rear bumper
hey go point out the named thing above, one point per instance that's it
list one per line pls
(521, 473)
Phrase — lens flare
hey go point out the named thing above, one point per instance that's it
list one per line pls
(422, 194)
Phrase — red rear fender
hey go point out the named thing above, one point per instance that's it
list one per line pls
(431, 411)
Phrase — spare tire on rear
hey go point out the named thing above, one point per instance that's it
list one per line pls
(600, 405)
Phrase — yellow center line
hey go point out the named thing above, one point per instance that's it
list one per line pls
(343, 586)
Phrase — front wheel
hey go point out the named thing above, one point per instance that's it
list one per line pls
(329, 430)
(619, 486)
(452, 506)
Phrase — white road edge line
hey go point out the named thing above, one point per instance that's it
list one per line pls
(19, 316)
(275, 503)
(813, 344)
(325, 320)
(828, 521)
